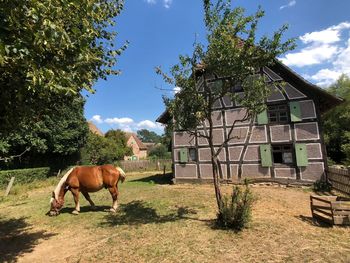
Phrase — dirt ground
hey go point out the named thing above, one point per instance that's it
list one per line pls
(159, 222)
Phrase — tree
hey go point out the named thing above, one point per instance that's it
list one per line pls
(99, 150)
(53, 46)
(148, 136)
(234, 56)
(57, 133)
(336, 123)
(119, 137)
(159, 151)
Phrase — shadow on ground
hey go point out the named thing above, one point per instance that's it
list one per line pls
(85, 209)
(139, 212)
(157, 179)
(16, 238)
(312, 221)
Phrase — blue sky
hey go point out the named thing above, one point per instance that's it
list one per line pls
(160, 30)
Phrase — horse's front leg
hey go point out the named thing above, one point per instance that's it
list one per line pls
(114, 193)
(75, 192)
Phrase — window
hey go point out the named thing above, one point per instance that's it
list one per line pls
(192, 154)
(282, 154)
(278, 114)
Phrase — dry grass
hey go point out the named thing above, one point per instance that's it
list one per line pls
(158, 222)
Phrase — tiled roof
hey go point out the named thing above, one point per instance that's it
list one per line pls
(140, 144)
(94, 129)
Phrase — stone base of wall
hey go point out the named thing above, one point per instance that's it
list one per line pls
(253, 180)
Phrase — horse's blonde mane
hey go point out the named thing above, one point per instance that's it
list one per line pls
(121, 171)
(61, 182)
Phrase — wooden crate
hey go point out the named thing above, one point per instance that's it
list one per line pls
(334, 210)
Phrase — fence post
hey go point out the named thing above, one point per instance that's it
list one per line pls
(9, 186)
(164, 169)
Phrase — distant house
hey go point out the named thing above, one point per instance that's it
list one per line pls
(139, 149)
(94, 129)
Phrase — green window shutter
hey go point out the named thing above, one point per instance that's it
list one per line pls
(262, 117)
(183, 155)
(265, 154)
(301, 154)
(295, 113)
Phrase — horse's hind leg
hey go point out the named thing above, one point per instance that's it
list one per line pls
(87, 197)
(75, 192)
(114, 194)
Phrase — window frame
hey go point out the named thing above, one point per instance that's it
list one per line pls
(283, 150)
(278, 112)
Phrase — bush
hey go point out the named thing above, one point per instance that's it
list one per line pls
(235, 211)
(322, 186)
(24, 176)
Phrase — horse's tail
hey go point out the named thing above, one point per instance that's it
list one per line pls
(122, 174)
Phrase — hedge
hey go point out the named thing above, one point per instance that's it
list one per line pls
(24, 176)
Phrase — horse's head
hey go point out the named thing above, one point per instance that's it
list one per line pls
(55, 206)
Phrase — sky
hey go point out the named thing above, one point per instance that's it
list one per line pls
(160, 30)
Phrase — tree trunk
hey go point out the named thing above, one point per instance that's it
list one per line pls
(216, 169)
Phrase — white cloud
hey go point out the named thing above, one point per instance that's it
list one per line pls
(325, 77)
(167, 3)
(311, 55)
(342, 62)
(329, 49)
(128, 124)
(152, 2)
(340, 65)
(96, 118)
(119, 121)
(326, 36)
(290, 4)
(147, 124)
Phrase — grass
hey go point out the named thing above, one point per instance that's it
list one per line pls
(158, 222)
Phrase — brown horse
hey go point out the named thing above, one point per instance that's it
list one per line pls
(86, 179)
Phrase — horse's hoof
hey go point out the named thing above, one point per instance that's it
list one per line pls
(112, 210)
(75, 212)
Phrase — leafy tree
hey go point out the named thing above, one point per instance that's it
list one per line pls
(336, 123)
(119, 137)
(99, 150)
(59, 131)
(51, 46)
(234, 56)
(148, 136)
(159, 151)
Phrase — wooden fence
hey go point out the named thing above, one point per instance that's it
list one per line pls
(340, 179)
(145, 165)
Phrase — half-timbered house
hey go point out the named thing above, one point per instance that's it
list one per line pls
(285, 142)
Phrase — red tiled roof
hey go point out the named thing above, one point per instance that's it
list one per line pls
(138, 141)
(94, 129)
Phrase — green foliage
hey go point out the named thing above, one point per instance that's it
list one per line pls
(58, 129)
(148, 136)
(336, 123)
(103, 150)
(52, 46)
(235, 211)
(159, 151)
(233, 56)
(24, 176)
(322, 186)
(119, 137)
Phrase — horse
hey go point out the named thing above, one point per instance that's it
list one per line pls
(86, 179)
